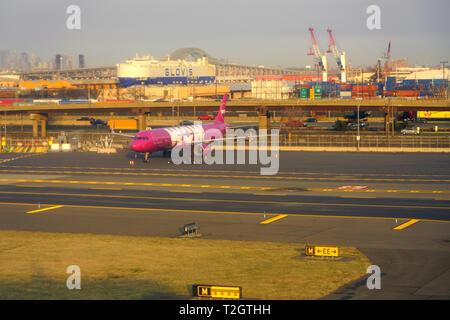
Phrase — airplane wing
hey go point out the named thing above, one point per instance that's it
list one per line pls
(232, 138)
(123, 134)
(243, 126)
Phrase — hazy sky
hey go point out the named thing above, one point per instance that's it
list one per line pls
(262, 32)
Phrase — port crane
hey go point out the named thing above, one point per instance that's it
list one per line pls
(387, 59)
(320, 60)
(340, 56)
(381, 73)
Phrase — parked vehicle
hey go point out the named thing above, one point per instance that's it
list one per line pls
(206, 117)
(354, 125)
(294, 123)
(311, 120)
(100, 122)
(409, 131)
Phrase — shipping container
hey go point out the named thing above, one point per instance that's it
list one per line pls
(7, 94)
(426, 94)
(408, 82)
(440, 82)
(8, 102)
(74, 102)
(407, 93)
(390, 83)
(346, 87)
(46, 101)
(23, 104)
(117, 101)
(425, 81)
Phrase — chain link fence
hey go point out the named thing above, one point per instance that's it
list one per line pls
(367, 141)
(96, 141)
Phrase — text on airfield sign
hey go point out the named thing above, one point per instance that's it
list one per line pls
(217, 292)
(322, 251)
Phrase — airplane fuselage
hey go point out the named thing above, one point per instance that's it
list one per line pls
(164, 139)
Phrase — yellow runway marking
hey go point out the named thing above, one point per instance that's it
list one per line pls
(220, 212)
(227, 171)
(406, 224)
(225, 200)
(281, 216)
(377, 190)
(29, 186)
(138, 184)
(45, 209)
(222, 176)
(212, 186)
(358, 197)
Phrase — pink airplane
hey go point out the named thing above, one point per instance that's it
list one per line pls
(165, 139)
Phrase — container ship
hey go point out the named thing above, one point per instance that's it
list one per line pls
(146, 70)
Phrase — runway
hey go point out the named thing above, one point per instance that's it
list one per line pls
(395, 208)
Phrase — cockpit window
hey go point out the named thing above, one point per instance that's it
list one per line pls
(140, 138)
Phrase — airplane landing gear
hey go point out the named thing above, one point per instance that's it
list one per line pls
(167, 153)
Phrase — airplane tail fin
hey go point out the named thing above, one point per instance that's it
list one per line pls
(221, 114)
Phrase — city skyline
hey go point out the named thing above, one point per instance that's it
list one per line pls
(259, 33)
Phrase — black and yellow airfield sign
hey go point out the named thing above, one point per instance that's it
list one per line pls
(322, 251)
(201, 290)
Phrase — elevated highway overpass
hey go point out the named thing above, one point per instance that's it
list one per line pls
(39, 112)
(240, 105)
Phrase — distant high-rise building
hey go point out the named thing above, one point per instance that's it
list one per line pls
(81, 63)
(4, 54)
(58, 62)
(24, 63)
(34, 61)
(67, 61)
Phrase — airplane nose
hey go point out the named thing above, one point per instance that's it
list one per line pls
(135, 146)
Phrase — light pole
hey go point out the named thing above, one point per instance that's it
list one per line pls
(358, 138)
(443, 78)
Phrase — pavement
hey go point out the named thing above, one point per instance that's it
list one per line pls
(395, 208)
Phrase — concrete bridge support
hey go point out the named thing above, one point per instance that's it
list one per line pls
(43, 119)
(142, 122)
(264, 118)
